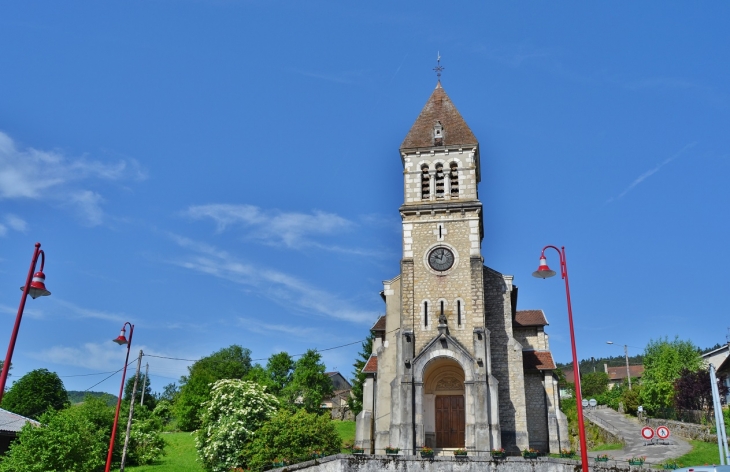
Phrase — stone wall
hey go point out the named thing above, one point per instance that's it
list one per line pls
(684, 430)
(536, 411)
(349, 463)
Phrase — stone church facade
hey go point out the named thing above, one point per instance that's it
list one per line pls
(454, 363)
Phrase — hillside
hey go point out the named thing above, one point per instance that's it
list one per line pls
(75, 396)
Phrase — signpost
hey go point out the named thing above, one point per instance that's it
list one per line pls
(647, 433)
(662, 432)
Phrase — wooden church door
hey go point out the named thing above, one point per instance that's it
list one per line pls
(450, 421)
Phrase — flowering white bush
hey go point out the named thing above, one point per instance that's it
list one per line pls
(230, 418)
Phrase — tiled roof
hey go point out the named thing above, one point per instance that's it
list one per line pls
(11, 422)
(540, 360)
(530, 318)
(439, 108)
(379, 325)
(372, 366)
(619, 373)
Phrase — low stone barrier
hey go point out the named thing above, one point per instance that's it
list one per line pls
(694, 431)
(375, 463)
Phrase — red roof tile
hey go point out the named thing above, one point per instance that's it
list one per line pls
(439, 108)
(372, 366)
(619, 373)
(530, 318)
(540, 360)
(379, 325)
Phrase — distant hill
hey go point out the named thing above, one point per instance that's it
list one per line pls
(76, 396)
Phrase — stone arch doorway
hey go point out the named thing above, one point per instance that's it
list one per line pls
(444, 404)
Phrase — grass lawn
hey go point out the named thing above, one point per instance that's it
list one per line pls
(346, 429)
(181, 456)
(608, 447)
(701, 453)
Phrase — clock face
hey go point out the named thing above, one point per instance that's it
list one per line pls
(441, 259)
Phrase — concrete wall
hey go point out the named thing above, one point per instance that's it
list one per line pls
(349, 463)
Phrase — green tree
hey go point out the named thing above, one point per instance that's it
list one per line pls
(293, 436)
(235, 411)
(169, 392)
(232, 362)
(663, 364)
(149, 399)
(594, 384)
(34, 393)
(66, 440)
(358, 380)
(280, 369)
(309, 384)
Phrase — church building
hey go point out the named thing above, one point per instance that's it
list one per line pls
(454, 363)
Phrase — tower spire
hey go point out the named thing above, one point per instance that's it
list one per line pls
(438, 67)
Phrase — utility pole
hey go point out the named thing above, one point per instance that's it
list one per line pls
(131, 411)
(628, 372)
(144, 382)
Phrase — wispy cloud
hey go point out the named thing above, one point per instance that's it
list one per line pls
(80, 312)
(290, 229)
(277, 286)
(50, 176)
(27, 312)
(256, 326)
(651, 172)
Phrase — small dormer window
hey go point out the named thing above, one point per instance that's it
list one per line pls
(438, 134)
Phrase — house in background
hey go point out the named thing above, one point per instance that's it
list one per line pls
(337, 403)
(10, 425)
(617, 375)
(720, 358)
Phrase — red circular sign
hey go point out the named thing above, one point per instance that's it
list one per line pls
(647, 432)
(662, 432)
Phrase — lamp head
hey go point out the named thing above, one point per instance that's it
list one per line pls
(543, 272)
(37, 286)
(122, 338)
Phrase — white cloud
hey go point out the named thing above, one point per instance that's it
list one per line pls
(16, 223)
(651, 172)
(294, 230)
(108, 357)
(50, 176)
(277, 286)
(80, 312)
(27, 311)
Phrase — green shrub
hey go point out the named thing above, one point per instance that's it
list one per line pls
(292, 436)
(236, 409)
(145, 442)
(66, 441)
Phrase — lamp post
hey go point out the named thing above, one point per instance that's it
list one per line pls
(626, 353)
(121, 340)
(35, 287)
(543, 272)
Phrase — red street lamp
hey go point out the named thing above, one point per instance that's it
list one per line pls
(544, 272)
(121, 340)
(35, 287)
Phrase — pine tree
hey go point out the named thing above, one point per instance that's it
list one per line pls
(358, 381)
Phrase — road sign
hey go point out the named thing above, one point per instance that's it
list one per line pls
(592, 402)
(647, 433)
(662, 432)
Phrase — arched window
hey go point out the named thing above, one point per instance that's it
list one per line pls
(454, 180)
(439, 181)
(425, 183)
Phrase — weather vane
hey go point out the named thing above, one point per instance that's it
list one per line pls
(438, 67)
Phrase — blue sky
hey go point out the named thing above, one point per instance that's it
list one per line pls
(221, 172)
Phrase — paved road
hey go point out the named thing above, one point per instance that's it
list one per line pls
(629, 429)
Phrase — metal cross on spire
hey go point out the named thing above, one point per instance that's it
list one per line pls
(438, 67)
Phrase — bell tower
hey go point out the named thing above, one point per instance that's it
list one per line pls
(442, 224)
